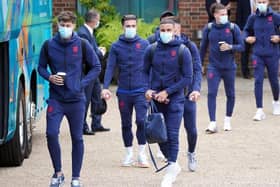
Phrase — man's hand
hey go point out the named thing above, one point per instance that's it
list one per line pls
(103, 50)
(194, 96)
(56, 79)
(225, 47)
(149, 94)
(250, 39)
(161, 97)
(106, 94)
(275, 39)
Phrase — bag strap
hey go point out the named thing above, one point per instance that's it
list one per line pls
(154, 161)
(85, 68)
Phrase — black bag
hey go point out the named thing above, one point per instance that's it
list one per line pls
(155, 128)
(100, 107)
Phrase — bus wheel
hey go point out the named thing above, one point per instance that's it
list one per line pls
(29, 127)
(12, 153)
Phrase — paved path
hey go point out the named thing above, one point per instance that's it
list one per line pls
(247, 156)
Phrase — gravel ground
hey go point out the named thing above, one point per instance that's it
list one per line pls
(246, 156)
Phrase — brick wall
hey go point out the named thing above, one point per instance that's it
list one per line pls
(193, 15)
(60, 5)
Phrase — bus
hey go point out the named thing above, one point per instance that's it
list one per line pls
(24, 26)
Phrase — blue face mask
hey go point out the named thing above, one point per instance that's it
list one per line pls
(65, 32)
(166, 37)
(223, 19)
(130, 32)
(262, 7)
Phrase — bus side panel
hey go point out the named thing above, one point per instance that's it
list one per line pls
(24, 57)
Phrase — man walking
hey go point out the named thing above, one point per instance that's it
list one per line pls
(63, 55)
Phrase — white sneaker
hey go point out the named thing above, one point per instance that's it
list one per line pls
(276, 108)
(171, 173)
(142, 158)
(227, 125)
(192, 163)
(260, 115)
(128, 159)
(212, 127)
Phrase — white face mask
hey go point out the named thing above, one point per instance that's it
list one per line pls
(97, 24)
(223, 19)
(166, 37)
(130, 32)
(262, 7)
(65, 32)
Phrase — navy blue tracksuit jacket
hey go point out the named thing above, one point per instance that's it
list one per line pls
(67, 57)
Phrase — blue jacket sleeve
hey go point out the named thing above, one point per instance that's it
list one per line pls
(197, 69)
(147, 67)
(93, 64)
(186, 71)
(249, 27)
(110, 68)
(277, 23)
(204, 44)
(238, 44)
(43, 63)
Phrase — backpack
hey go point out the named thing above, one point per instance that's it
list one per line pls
(232, 25)
(85, 68)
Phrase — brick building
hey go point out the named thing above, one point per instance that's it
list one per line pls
(192, 13)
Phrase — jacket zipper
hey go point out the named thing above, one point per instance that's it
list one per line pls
(65, 69)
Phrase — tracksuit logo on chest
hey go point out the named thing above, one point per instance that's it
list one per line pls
(138, 46)
(173, 53)
(50, 109)
(227, 30)
(75, 49)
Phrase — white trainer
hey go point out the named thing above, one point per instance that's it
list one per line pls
(128, 159)
(276, 108)
(212, 127)
(192, 163)
(142, 158)
(227, 125)
(260, 115)
(171, 173)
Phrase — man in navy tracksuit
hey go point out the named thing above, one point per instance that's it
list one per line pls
(63, 55)
(168, 78)
(223, 38)
(127, 55)
(93, 90)
(193, 94)
(262, 30)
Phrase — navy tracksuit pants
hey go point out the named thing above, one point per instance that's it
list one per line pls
(74, 113)
(214, 77)
(93, 95)
(272, 65)
(126, 105)
(173, 114)
(190, 123)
